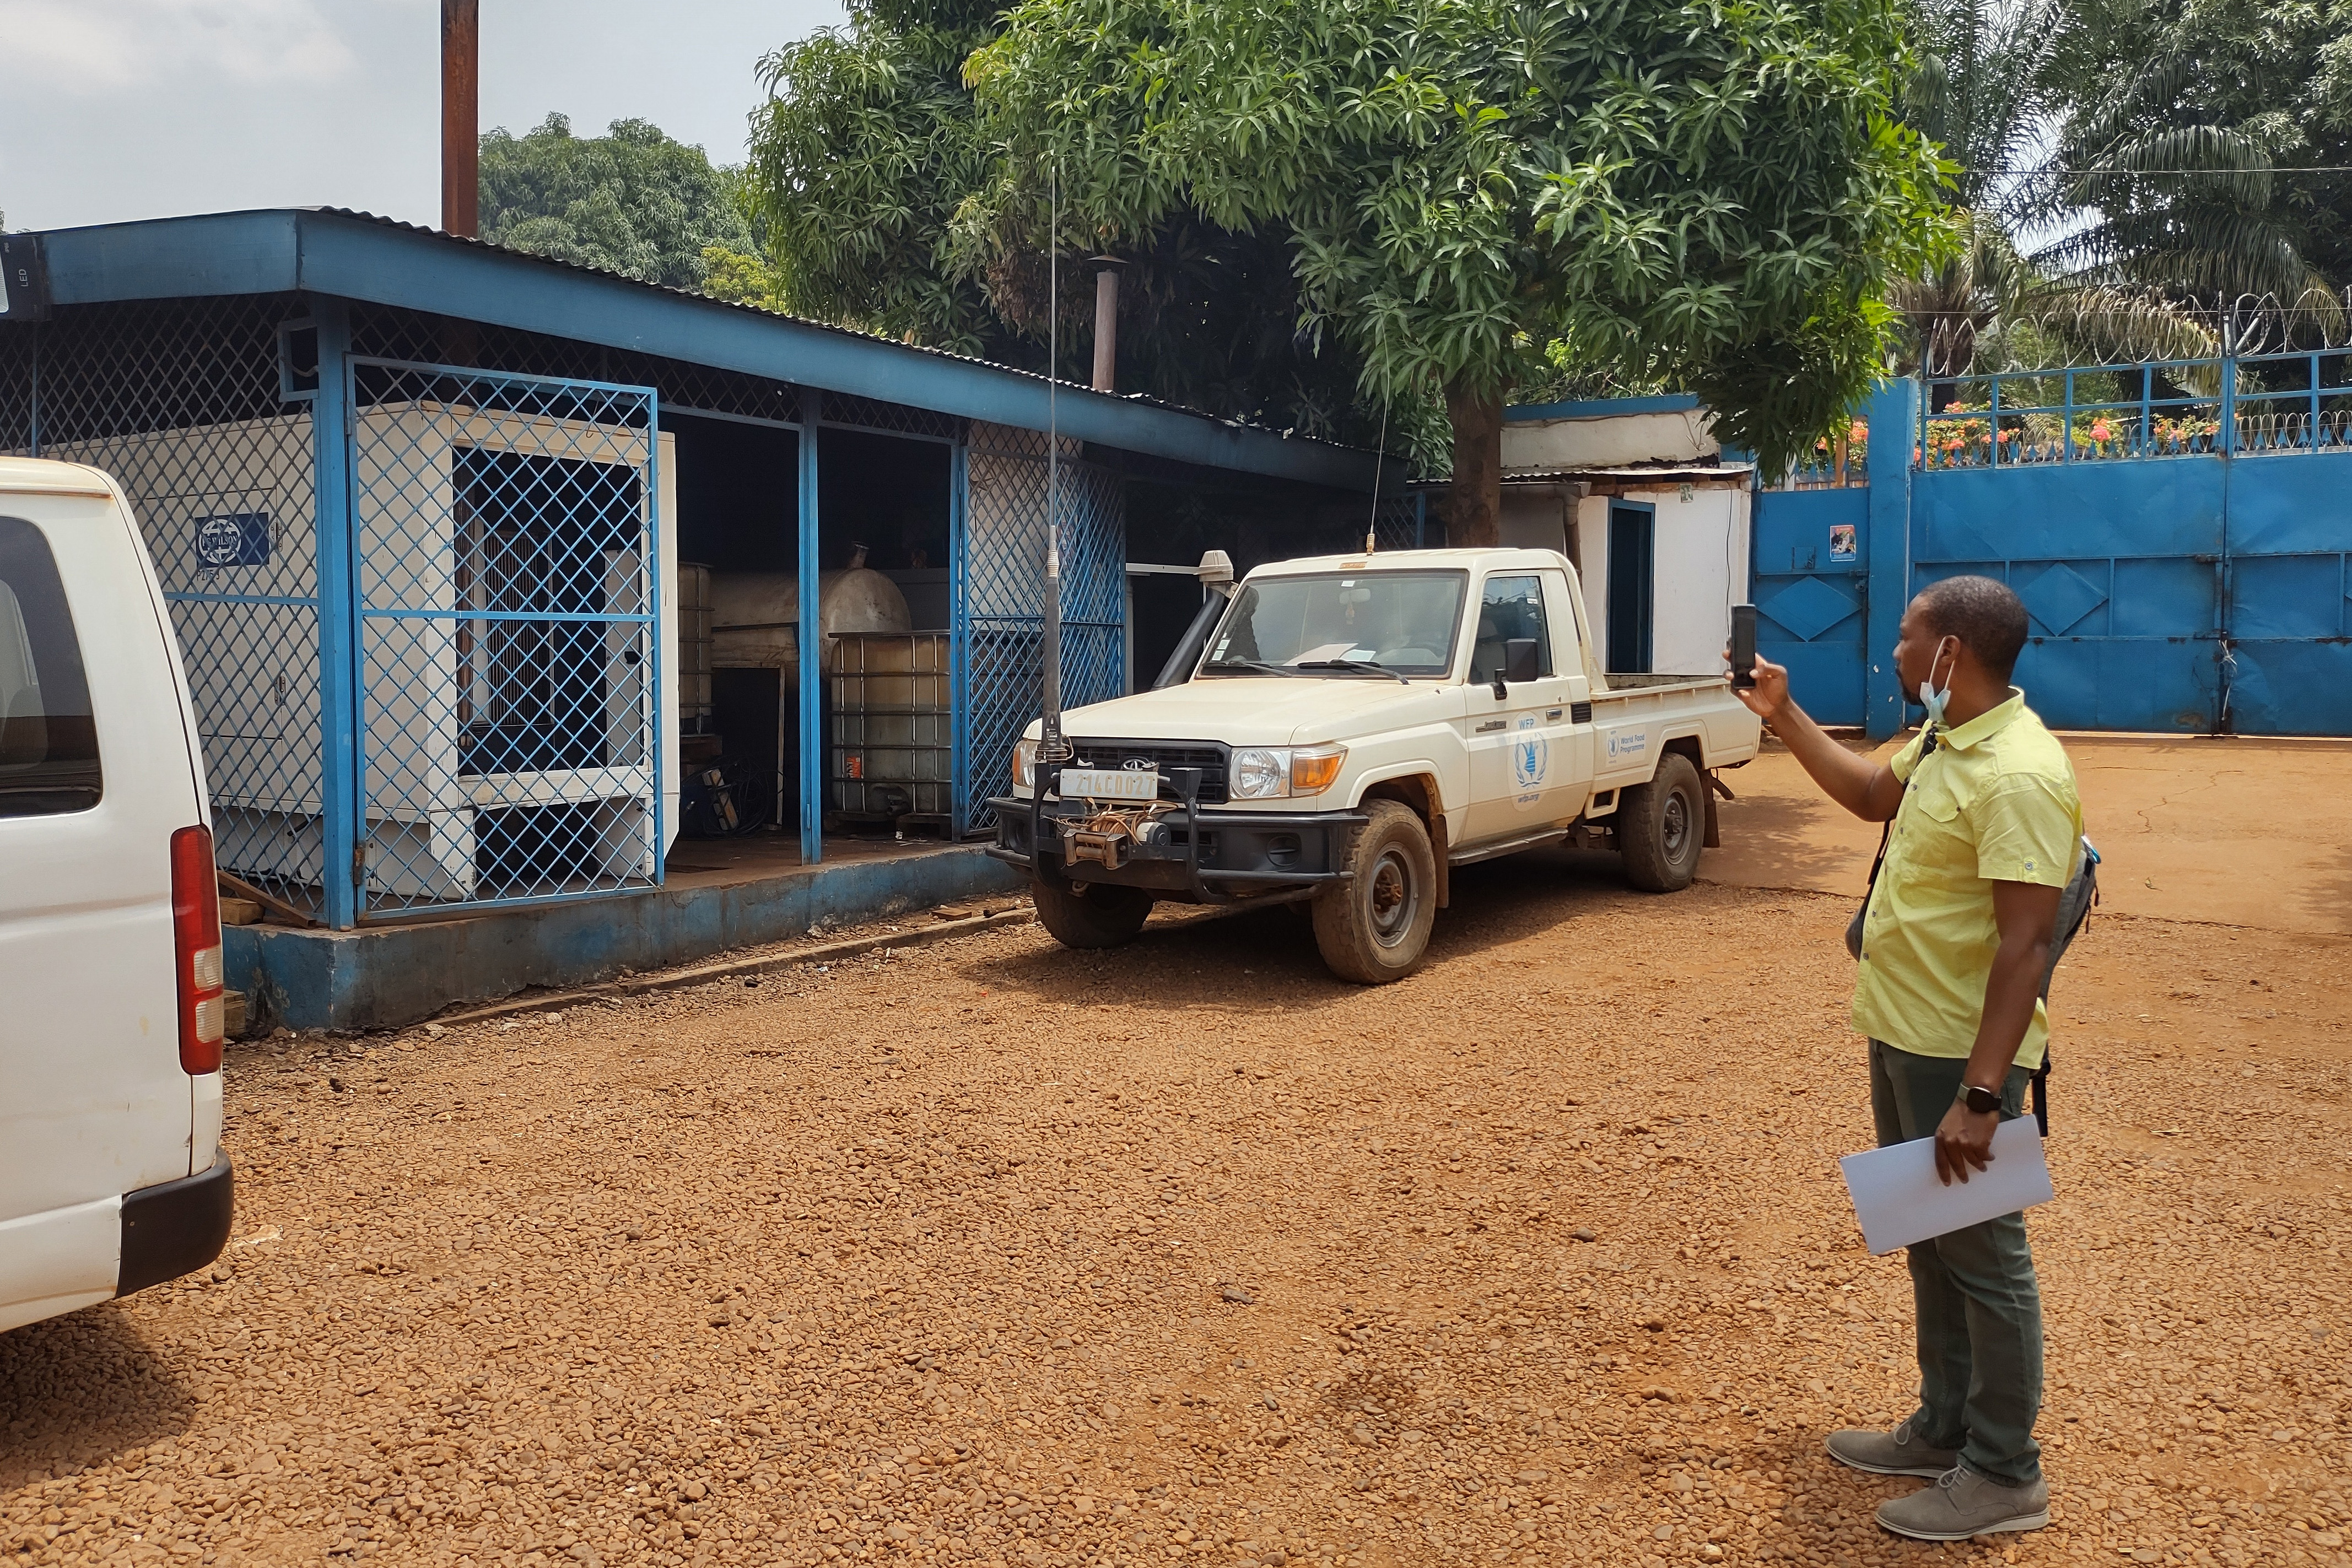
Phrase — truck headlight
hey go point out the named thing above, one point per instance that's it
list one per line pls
(1024, 763)
(1260, 773)
(1313, 768)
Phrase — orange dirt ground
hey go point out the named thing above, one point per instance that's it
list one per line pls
(994, 1252)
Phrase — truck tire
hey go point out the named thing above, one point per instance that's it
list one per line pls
(1105, 915)
(1375, 927)
(1662, 825)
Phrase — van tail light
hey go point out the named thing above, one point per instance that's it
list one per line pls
(197, 950)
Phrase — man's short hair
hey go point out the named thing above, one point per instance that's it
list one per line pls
(1985, 615)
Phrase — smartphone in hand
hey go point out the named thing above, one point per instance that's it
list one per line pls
(1743, 646)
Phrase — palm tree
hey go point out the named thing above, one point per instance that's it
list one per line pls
(2070, 241)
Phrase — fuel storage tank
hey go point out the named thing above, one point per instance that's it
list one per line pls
(755, 615)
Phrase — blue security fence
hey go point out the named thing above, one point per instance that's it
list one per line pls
(2180, 533)
(1000, 603)
(418, 572)
(184, 404)
(505, 556)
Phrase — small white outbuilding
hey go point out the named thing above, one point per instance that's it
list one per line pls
(1638, 493)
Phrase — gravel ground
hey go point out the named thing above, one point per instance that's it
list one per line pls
(992, 1252)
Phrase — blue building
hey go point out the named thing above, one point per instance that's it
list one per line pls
(452, 535)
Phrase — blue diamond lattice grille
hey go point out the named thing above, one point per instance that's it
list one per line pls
(505, 552)
(1402, 523)
(1001, 601)
(182, 400)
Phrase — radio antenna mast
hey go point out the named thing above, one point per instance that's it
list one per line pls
(1379, 462)
(1050, 745)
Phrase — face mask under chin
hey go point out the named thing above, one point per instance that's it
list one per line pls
(1933, 700)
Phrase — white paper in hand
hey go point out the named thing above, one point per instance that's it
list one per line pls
(1899, 1200)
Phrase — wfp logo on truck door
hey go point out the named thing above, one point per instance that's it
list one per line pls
(1530, 761)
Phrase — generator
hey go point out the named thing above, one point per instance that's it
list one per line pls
(506, 727)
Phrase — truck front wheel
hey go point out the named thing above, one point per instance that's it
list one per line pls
(1660, 826)
(1105, 915)
(1375, 927)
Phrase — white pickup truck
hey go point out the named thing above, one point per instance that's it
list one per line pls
(1351, 728)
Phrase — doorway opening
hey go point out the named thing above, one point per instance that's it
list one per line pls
(1633, 586)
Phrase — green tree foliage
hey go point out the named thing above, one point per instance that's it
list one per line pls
(1475, 192)
(878, 181)
(1986, 87)
(2241, 93)
(865, 145)
(632, 202)
(2121, 173)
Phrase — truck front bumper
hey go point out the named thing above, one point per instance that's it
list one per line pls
(1201, 854)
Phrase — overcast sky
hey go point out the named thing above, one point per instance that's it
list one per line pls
(135, 108)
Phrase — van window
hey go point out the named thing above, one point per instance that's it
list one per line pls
(48, 739)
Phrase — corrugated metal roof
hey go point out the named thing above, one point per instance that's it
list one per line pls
(343, 252)
(1661, 472)
(1142, 400)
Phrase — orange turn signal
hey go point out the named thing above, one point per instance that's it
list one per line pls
(1313, 770)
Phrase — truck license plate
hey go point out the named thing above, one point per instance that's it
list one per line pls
(1104, 784)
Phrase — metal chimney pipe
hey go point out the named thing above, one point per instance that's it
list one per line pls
(1106, 270)
(461, 118)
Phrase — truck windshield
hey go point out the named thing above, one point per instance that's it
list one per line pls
(1345, 625)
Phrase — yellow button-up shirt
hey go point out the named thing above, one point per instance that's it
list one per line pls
(1995, 803)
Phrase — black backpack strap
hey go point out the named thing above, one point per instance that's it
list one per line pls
(1885, 837)
(2075, 902)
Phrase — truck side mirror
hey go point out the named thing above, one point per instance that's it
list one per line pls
(1522, 660)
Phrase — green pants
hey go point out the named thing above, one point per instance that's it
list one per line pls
(1978, 1309)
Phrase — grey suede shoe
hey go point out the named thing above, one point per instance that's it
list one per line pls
(1963, 1503)
(1895, 1453)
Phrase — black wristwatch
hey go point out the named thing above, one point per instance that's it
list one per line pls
(1983, 1102)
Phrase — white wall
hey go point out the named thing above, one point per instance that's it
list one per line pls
(1700, 572)
(1608, 440)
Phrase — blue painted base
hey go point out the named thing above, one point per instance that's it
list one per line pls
(390, 976)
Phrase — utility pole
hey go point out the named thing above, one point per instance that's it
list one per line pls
(461, 118)
(1107, 269)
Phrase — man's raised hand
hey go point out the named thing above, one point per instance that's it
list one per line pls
(1769, 695)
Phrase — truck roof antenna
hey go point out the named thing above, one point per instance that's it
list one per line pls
(1050, 747)
(1379, 462)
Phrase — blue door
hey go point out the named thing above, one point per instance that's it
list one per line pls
(1633, 585)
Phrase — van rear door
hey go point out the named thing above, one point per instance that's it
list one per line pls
(96, 773)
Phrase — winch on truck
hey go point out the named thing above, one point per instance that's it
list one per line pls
(1345, 730)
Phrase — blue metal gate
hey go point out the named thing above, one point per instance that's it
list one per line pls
(1000, 604)
(505, 636)
(1811, 563)
(2178, 531)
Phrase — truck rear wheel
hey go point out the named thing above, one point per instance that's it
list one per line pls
(1661, 825)
(1375, 928)
(1105, 915)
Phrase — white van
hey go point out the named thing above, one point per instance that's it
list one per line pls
(112, 1173)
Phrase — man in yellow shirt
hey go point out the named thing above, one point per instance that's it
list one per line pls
(1954, 945)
